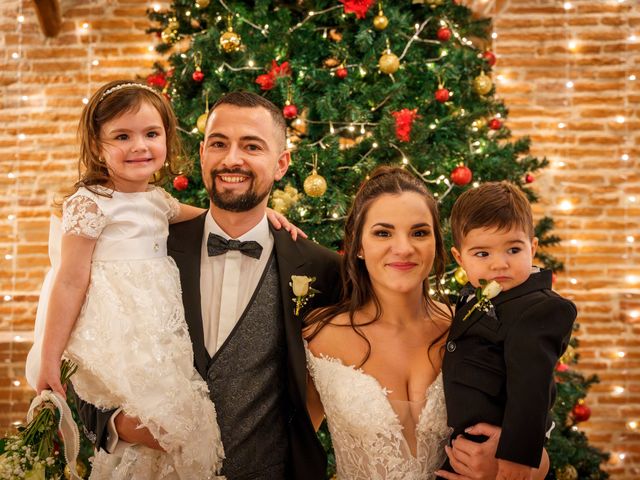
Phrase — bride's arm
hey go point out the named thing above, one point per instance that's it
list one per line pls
(473, 460)
(314, 405)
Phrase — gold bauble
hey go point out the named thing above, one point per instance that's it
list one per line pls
(168, 35)
(202, 122)
(335, 35)
(568, 356)
(279, 205)
(482, 84)
(331, 62)
(81, 470)
(380, 22)
(435, 3)
(480, 122)
(461, 276)
(173, 24)
(230, 41)
(315, 185)
(202, 3)
(568, 472)
(389, 62)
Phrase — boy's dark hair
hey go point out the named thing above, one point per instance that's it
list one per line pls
(499, 205)
(253, 100)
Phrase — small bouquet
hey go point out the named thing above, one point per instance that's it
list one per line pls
(34, 452)
(484, 293)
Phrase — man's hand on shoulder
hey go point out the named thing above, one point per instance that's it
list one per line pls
(130, 430)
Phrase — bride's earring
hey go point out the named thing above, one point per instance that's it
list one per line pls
(360, 256)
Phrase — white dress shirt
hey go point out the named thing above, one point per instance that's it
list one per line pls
(229, 281)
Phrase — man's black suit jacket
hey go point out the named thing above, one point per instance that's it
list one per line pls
(500, 370)
(302, 257)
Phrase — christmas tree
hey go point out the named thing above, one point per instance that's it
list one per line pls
(362, 83)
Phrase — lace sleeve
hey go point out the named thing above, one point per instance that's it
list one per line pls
(172, 203)
(82, 216)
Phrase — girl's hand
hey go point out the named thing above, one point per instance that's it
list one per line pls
(280, 221)
(49, 378)
(473, 460)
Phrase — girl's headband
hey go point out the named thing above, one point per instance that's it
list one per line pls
(126, 85)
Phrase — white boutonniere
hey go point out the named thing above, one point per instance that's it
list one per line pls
(485, 292)
(301, 286)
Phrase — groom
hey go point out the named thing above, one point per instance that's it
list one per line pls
(235, 272)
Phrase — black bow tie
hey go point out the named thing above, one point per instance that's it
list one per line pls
(217, 245)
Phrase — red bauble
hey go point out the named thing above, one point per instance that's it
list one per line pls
(580, 412)
(442, 95)
(290, 111)
(158, 79)
(529, 178)
(180, 183)
(444, 34)
(461, 175)
(342, 73)
(490, 57)
(562, 367)
(198, 76)
(495, 124)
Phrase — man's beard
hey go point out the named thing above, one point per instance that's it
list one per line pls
(236, 202)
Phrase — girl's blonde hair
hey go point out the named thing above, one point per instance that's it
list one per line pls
(108, 102)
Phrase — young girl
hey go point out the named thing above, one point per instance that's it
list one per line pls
(115, 307)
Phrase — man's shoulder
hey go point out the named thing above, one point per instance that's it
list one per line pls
(315, 250)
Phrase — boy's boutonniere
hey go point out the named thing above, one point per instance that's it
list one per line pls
(301, 285)
(485, 292)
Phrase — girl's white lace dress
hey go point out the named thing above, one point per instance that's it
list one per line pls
(131, 341)
(375, 438)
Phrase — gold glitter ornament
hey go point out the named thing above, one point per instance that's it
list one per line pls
(568, 472)
(230, 41)
(168, 35)
(380, 22)
(389, 62)
(202, 3)
(315, 185)
(482, 84)
(461, 276)
(81, 470)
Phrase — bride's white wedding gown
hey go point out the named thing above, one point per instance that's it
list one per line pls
(376, 438)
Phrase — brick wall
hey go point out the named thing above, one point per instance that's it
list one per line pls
(577, 128)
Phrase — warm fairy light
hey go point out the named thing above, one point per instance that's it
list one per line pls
(624, 157)
(8, 256)
(632, 425)
(250, 63)
(622, 456)
(566, 205)
(16, 383)
(562, 125)
(8, 298)
(20, 18)
(567, 5)
(85, 26)
(632, 77)
(334, 215)
(632, 199)
(618, 390)
(194, 130)
(374, 145)
(95, 63)
(11, 217)
(632, 279)
(22, 136)
(630, 239)
(572, 45)
(85, 100)
(351, 128)
(494, 35)
(573, 281)
(11, 175)
(15, 55)
(634, 314)
(405, 160)
(569, 84)
(620, 354)
(151, 48)
(620, 119)
(632, 38)
(574, 241)
(24, 98)
(18, 338)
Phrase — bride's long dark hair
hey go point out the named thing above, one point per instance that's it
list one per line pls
(357, 290)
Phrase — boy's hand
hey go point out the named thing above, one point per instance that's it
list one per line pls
(280, 221)
(49, 378)
(473, 460)
(513, 471)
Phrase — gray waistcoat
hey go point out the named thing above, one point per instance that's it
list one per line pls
(247, 381)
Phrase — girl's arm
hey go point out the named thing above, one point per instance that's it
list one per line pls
(67, 296)
(186, 212)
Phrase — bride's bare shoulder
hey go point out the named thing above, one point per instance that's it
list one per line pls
(337, 339)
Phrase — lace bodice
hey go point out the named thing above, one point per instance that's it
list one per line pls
(369, 432)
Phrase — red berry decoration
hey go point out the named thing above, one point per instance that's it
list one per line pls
(198, 76)
(529, 178)
(461, 175)
(562, 367)
(444, 34)
(554, 278)
(290, 111)
(581, 412)
(490, 57)
(180, 183)
(342, 73)
(495, 124)
(442, 95)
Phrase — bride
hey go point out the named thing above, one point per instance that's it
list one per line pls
(374, 359)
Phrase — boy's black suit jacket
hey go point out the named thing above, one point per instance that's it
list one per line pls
(302, 257)
(500, 370)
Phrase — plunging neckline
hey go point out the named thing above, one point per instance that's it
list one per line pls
(385, 394)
